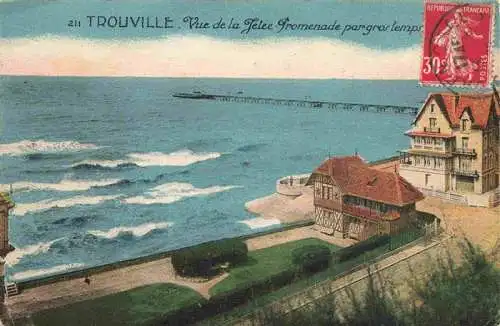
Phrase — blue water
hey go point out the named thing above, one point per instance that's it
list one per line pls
(249, 147)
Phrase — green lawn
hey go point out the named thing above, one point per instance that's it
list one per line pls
(138, 306)
(331, 273)
(264, 263)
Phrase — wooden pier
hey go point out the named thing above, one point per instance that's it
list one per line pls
(301, 103)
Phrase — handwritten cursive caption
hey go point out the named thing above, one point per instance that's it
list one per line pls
(243, 26)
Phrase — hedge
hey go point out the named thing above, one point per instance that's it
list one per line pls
(200, 260)
(361, 247)
(228, 300)
(312, 258)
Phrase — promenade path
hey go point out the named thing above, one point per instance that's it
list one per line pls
(129, 277)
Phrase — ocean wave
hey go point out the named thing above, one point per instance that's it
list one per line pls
(251, 147)
(23, 209)
(136, 231)
(259, 222)
(31, 273)
(63, 185)
(180, 158)
(15, 256)
(77, 221)
(171, 192)
(29, 147)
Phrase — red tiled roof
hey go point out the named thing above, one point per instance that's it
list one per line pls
(477, 105)
(356, 178)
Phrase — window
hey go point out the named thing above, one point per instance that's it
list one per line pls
(432, 123)
(465, 142)
(438, 141)
(327, 192)
(432, 108)
(464, 124)
(464, 164)
(427, 176)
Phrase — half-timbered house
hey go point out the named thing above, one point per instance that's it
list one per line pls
(354, 200)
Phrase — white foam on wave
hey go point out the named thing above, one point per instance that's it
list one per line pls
(63, 185)
(259, 222)
(15, 256)
(180, 158)
(41, 146)
(137, 231)
(171, 192)
(40, 272)
(23, 209)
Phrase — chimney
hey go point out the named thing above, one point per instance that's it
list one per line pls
(330, 167)
(456, 98)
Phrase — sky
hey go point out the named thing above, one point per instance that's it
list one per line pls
(36, 39)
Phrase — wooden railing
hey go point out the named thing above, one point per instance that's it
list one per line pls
(465, 151)
(361, 211)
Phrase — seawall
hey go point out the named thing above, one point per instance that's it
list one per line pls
(81, 273)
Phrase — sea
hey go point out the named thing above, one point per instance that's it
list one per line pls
(107, 169)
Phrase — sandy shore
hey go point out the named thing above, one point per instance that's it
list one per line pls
(480, 225)
(284, 208)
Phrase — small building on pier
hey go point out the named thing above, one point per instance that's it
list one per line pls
(354, 200)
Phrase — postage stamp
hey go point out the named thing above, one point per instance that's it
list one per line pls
(457, 44)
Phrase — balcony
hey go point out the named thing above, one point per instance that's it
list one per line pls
(466, 172)
(368, 213)
(465, 151)
(432, 129)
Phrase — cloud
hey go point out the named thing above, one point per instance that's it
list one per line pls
(201, 56)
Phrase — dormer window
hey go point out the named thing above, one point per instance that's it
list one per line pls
(464, 124)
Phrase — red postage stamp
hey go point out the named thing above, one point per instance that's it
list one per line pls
(457, 49)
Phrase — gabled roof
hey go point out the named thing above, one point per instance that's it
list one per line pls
(356, 178)
(453, 106)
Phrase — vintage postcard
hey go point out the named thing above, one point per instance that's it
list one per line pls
(232, 162)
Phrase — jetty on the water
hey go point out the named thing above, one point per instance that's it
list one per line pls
(299, 103)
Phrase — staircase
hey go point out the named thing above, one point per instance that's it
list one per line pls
(11, 289)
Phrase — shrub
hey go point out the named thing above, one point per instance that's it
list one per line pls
(252, 289)
(312, 258)
(361, 247)
(202, 259)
